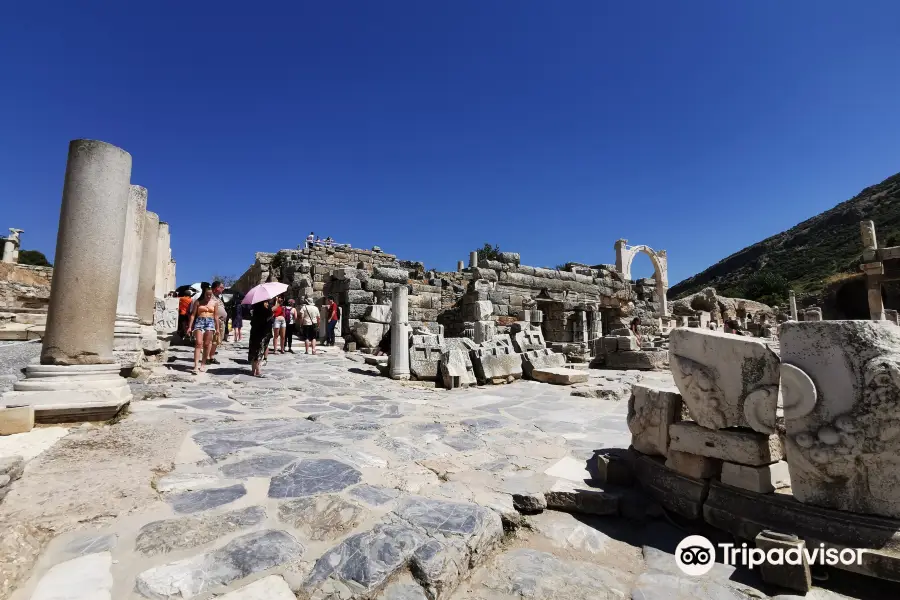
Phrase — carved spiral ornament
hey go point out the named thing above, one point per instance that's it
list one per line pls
(798, 392)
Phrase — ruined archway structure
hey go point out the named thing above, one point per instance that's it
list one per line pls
(625, 254)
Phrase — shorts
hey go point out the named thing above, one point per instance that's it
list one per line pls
(279, 323)
(204, 324)
(308, 333)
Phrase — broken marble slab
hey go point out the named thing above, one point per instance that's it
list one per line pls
(313, 476)
(841, 400)
(241, 557)
(652, 408)
(88, 577)
(541, 359)
(725, 380)
(738, 446)
(456, 369)
(160, 537)
(205, 499)
(321, 518)
(559, 375)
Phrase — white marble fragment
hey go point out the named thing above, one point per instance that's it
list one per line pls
(84, 578)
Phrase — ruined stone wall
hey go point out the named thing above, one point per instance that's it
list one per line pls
(24, 286)
(579, 302)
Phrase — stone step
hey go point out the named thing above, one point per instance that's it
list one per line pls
(10, 332)
(559, 375)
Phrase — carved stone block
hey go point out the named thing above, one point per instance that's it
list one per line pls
(725, 380)
(651, 409)
(842, 413)
(738, 446)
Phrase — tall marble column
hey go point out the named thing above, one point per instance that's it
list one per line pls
(793, 305)
(127, 344)
(399, 360)
(473, 259)
(162, 260)
(78, 377)
(147, 273)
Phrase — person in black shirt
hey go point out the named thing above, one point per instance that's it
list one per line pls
(260, 333)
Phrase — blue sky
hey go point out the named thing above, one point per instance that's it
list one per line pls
(426, 128)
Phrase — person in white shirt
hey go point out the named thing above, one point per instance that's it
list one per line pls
(309, 324)
(310, 239)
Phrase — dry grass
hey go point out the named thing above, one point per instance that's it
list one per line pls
(836, 277)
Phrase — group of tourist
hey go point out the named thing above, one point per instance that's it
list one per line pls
(312, 241)
(205, 319)
(276, 320)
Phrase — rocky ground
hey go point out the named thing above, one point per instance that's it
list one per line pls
(15, 356)
(324, 480)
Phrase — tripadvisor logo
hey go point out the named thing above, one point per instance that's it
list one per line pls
(695, 555)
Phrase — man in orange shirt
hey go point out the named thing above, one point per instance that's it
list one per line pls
(184, 305)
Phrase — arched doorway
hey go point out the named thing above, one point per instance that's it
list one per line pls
(625, 255)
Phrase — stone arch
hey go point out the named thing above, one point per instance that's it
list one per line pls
(625, 255)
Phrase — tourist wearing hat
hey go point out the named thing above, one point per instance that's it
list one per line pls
(309, 322)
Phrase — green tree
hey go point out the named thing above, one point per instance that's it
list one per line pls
(767, 287)
(227, 280)
(488, 252)
(34, 258)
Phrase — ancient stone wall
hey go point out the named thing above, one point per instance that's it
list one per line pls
(575, 305)
(24, 286)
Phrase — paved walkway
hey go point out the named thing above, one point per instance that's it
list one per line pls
(324, 480)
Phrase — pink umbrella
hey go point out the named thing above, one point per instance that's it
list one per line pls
(264, 291)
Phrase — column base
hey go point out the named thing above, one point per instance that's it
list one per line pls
(67, 393)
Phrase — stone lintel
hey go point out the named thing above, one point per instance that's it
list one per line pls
(733, 445)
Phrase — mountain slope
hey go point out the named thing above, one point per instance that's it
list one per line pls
(811, 252)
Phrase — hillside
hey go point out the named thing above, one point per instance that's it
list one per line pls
(807, 255)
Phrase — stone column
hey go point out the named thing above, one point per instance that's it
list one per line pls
(147, 276)
(128, 327)
(78, 378)
(874, 272)
(793, 301)
(162, 260)
(399, 360)
(460, 266)
(9, 249)
(473, 259)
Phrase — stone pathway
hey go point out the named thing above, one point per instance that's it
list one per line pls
(324, 480)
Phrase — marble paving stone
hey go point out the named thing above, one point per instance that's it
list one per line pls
(191, 502)
(272, 587)
(535, 575)
(463, 442)
(367, 559)
(242, 556)
(479, 525)
(479, 424)
(160, 537)
(264, 465)
(403, 590)
(211, 402)
(373, 494)
(313, 408)
(325, 517)
(229, 411)
(88, 577)
(313, 476)
(91, 544)
(569, 532)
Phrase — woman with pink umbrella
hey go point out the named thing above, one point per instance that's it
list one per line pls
(261, 321)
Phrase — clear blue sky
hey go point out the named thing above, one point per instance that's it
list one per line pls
(427, 128)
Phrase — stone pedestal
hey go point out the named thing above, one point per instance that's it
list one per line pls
(127, 345)
(399, 364)
(78, 377)
(147, 273)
